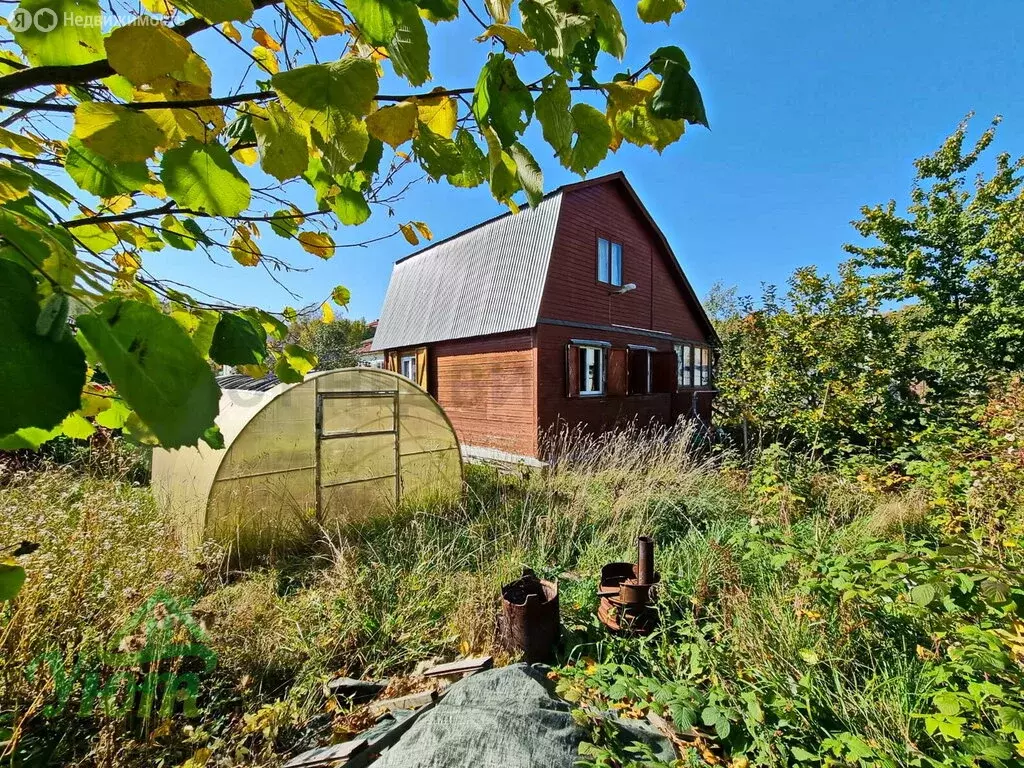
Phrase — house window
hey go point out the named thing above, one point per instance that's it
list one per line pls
(609, 262)
(591, 370)
(702, 370)
(684, 365)
(408, 367)
(640, 371)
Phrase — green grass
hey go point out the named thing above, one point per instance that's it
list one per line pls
(749, 607)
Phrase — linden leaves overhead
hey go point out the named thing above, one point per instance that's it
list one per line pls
(303, 139)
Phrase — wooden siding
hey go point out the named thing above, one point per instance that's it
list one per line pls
(596, 413)
(487, 386)
(572, 291)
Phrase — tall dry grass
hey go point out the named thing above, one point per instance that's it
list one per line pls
(373, 599)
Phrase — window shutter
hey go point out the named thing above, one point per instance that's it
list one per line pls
(572, 370)
(663, 375)
(617, 372)
(421, 367)
(391, 361)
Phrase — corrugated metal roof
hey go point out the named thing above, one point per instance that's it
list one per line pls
(241, 381)
(488, 279)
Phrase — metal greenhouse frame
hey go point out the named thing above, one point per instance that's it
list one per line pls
(341, 447)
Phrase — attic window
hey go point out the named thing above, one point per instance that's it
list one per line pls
(609, 262)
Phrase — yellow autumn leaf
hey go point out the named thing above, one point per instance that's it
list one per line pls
(393, 125)
(423, 229)
(439, 114)
(515, 40)
(26, 146)
(117, 133)
(200, 123)
(128, 263)
(266, 58)
(144, 52)
(318, 20)
(243, 249)
(118, 204)
(158, 6)
(317, 243)
(260, 35)
(409, 233)
(246, 156)
(231, 31)
(14, 184)
(326, 312)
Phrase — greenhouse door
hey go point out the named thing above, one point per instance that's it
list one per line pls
(357, 456)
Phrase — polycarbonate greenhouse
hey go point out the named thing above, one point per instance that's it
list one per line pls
(344, 446)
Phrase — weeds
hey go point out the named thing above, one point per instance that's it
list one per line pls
(806, 618)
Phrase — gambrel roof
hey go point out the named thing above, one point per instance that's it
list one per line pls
(487, 279)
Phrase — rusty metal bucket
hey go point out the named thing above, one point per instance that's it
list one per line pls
(530, 622)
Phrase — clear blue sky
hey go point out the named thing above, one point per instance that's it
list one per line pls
(816, 108)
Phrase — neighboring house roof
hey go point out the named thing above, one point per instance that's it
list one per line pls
(489, 278)
(366, 348)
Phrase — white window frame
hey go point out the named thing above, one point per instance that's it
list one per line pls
(684, 370)
(411, 360)
(609, 262)
(588, 353)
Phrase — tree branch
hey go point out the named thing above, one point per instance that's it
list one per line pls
(76, 74)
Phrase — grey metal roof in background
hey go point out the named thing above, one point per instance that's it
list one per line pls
(488, 279)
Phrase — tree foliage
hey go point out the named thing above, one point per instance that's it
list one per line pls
(115, 145)
(909, 336)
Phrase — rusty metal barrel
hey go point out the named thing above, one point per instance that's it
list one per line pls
(530, 622)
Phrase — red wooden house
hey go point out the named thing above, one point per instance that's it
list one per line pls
(573, 311)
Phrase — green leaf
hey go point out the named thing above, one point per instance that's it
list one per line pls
(155, 367)
(43, 376)
(117, 133)
(678, 97)
(923, 594)
(284, 152)
(285, 223)
(437, 155)
(77, 427)
(332, 99)
(947, 702)
(639, 126)
(653, 11)
(804, 756)
(558, 29)
(51, 41)
(214, 438)
(396, 26)
(439, 10)
(341, 295)
(238, 341)
(501, 100)
(204, 177)
(12, 578)
(217, 11)
(184, 234)
(530, 176)
(556, 122)
(28, 437)
(474, 164)
(593, 135)
(100, 176)
(114, 417)
(293, 363)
